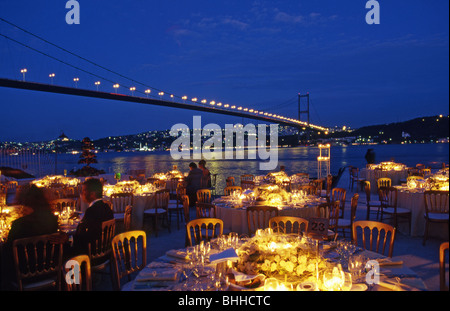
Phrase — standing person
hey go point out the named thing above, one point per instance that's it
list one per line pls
(206, 179)
(90, 227)
(370, 156)
(193, 183)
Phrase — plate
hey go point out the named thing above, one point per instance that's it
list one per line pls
(361, 287)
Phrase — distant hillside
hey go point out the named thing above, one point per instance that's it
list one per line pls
(416, 130)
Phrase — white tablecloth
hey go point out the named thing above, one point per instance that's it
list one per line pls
(141, 203)
(414, 201)
(373, 175)
(235, 219)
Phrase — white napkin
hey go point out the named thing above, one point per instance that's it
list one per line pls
(157, 274)
(178, 253)
(229, 254)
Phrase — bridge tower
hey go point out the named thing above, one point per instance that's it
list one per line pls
(306, 111)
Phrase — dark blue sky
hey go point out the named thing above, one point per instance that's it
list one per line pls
(256, 54)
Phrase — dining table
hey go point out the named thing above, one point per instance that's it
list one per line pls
(397, 176)
(413, 199)
(233, 211)
(181, 270)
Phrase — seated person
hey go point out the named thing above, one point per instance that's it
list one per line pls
(90, 228)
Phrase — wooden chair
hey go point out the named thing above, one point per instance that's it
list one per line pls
(384, 235)
(326, 193)
(205, 210)
(347, 223)
(160, 209)
(247, 177)
(186, 214)
(354, 178)
(160, 184)
(129, 255)
(373, 206)
(425, 172)
(203, 229)
(308, 189)
(388, 198)
(38, 262)
(288, 224)
(318, 183)
(177, 206)
(442, 249)
(99, 251)
(230, 181)
(82, 278)
(230, 189)
(127, 218)
(339, 194)
(204, 196)
(330, 211)
(302, 175)
(246, 184)
(258, 217)
(384, 182)
(59, 205)
(119, 202)
(436, 209)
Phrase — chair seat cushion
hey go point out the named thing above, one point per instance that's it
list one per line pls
(152, 211)
(437, 216)
(400, 210)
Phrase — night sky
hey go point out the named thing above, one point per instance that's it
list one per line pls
(257, 54)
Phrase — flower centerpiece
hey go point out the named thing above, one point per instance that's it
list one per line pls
(287, 258)
(271, 195)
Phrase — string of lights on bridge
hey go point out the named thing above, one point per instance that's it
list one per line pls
(193, 100)
(148, 91)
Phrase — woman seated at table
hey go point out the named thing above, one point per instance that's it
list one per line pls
(38, 220)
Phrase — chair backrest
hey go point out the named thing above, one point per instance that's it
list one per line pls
(329, 184)
(205, 210)
(388, 196)
(247, 184)
(203, 229)
(78, 273)
(230, 181)
(230, 189)
(436, 202)
(204, 196)
(383, 234)
(367, 191)
(329, 210)
(288, 224)
(318, 183)
(258, 217)
(127, 218)
(308, 189)
(186, 209)
(37, 257)
(384, 182)
(353, 207)
(339, 194)
(443, 283)
(160, 184)
(247, 177)
(120, 201)
(101, 248)
(129, 255)
(354, 172)
(425, 172)
(60, 205)
(162, 198)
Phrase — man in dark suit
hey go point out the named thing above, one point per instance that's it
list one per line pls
(193, 183)
(90, 227)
